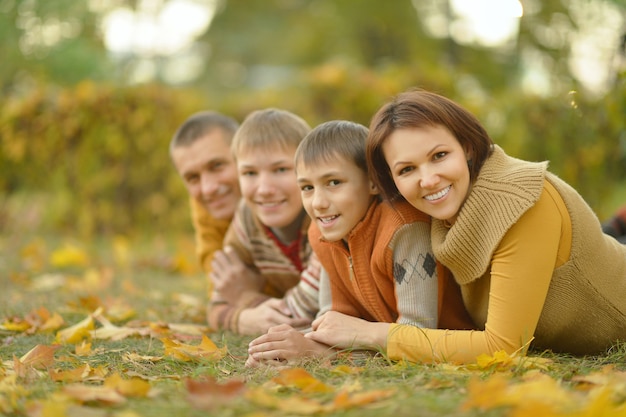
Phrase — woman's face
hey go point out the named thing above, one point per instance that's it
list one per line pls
(429, 167)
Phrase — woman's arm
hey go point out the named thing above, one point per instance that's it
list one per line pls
(521, 270)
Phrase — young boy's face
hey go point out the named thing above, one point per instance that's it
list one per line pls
(268, 185)
(336, 195)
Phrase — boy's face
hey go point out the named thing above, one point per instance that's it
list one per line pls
(208, 169)
(268, 185)
(336, 195)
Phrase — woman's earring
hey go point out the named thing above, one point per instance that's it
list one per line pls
(469, 163)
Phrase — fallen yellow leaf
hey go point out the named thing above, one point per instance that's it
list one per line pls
(76, 333)
(345, 400)
(206, 350)
(293, 404)
(91, 393)
(16, 324)
(133, 387)
(72, 375)
(301, 379)
(69, 255)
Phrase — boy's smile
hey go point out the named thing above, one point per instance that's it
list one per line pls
(336, 195)
(268, 185)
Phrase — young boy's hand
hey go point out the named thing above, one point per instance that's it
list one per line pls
(231, 277)
(257, 320)
(282, 344)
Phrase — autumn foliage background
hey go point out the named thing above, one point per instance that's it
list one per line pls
(102, 300)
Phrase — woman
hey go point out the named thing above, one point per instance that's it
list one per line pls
(529, 254)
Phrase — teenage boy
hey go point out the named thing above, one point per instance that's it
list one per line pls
(268, 233)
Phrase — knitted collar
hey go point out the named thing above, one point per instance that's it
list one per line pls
(505, 189)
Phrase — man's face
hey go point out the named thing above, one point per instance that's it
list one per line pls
(210, 174)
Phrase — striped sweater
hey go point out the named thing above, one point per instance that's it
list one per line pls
(261, 253)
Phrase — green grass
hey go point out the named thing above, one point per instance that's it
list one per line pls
(154, 286)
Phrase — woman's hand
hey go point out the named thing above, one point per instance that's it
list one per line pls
(342, 331)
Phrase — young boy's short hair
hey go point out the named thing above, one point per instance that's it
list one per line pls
(340, 138)
(269, 128)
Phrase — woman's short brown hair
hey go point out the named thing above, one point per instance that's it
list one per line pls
(418, 109)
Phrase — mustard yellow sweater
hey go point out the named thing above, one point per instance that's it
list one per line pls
(209, 235)
(533, 266)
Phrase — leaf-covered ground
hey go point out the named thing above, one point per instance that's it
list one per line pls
(116, 328)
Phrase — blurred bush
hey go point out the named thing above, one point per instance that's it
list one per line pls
(94, 158)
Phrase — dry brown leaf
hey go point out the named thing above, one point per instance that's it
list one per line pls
(40, 357)
(72, 375)
(53, 323)
(207, 393)
(83, 349)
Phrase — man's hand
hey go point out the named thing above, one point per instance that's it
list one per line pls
(274, 311)
(231, 277)
(282, 344)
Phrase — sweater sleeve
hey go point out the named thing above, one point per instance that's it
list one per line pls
(415, 276)
(303, 299)
(220, 314)
(521, 270)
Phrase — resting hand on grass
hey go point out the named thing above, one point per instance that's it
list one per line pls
(272, 312)
(231, 277)
(282, 344)
(346, 332)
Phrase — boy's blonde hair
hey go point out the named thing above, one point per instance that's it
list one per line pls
(329, 140)
(269, 128)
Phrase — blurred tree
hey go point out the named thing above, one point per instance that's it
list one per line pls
(267, 42)
(92, 156)
(50, 41)
(262, 43)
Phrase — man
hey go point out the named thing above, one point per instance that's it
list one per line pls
(200, 151)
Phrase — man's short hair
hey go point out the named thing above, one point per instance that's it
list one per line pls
(200, 124)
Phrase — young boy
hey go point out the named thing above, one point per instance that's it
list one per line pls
(377, 256)
(268, 233)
